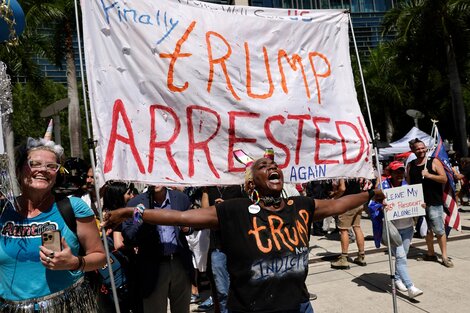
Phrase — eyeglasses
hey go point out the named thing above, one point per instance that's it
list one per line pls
(51, 167)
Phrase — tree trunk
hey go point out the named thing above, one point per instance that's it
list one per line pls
(389, 129)
(458, 108)
(75, 121)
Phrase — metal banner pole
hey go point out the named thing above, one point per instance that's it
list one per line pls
(390, 262)
(92, 159)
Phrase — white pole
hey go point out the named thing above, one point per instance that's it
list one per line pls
(6, 110)
(92, 160)
(433, 140)
(392, 268)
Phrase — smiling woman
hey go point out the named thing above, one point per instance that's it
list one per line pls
(265, 238)
(37, 275)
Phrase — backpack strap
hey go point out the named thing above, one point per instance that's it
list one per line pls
(66, 210)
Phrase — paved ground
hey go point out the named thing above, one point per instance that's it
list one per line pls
(368, 289)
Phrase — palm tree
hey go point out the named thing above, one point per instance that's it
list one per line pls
(386, 87)
(59, 15)
(433, 35)
(19, 65)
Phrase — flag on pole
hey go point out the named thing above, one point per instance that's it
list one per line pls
(452, 218)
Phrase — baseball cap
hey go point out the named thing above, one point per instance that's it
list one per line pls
(395, 165)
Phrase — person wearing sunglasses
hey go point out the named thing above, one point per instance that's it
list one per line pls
(430, 172)
(34, 278)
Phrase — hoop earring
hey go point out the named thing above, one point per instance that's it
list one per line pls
(254, 195)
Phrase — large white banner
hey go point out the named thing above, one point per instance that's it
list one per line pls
(175, 87)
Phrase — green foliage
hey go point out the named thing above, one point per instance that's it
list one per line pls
(21, 58)
(52, 43)
(412, 70)
(28, 101)
(56, 15)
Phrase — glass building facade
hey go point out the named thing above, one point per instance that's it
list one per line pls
(366, 17)
(353, 5)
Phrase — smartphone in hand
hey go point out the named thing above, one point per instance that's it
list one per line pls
(51, 239)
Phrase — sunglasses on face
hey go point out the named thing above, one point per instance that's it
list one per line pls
(36, 165)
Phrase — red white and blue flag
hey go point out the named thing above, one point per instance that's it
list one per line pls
(452, 218)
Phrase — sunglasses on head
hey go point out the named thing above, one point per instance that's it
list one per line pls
(413, 141)
(129, 185)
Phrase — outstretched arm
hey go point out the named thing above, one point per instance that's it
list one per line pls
(325, 208)
(201, 218)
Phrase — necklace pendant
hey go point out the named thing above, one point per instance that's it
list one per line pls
(254, 208)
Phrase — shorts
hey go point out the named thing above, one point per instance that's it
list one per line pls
(350, 218)
(435, 219)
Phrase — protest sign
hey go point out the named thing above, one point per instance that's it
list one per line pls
(175, 87)
(404, 201)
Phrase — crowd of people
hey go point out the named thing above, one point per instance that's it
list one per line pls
(166, 240)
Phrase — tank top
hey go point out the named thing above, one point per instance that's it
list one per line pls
(432, 190)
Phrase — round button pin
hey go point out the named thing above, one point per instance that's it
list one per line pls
(254, 208)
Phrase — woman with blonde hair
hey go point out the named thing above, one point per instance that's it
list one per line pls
(34, 278)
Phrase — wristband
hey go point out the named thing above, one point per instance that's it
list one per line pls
(371, 193)
(138, 211)
(80, 263)
(83, 265)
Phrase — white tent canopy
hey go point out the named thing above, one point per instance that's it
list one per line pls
(401, 145)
